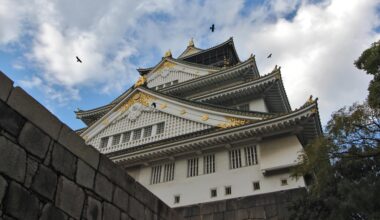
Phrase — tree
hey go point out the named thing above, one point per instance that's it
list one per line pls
(369, 61)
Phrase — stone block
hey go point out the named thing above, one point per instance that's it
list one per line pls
(148, 214)
(146, 197)
(20, 203)
(69, 197)
(85, 175)
(120, 199)
(103, 187)
(212, 207)
(10, 120)
(110, 211)
(74, 143)
(136, 209)
(31, 169)
(257, 212)
(45, 182)
(242, 214)
(12, 160)
(28, 107)
(49, 212)
(34, 140)
(94, 209)
(3, 188)
(109, 169)
(64, 161)
(6, 86)
(270, 210)
(124, 216)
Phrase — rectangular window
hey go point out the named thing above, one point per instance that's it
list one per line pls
(209, 164)
(116, 139)
(168, 84)
(228, 190)
(284, 182)
(160, 86)
(160, 128)
(148, 131)
(136, 134)
(177, 199)
(168, 172)
(256, 185)
(175, 82)
(156, 175)
(103, 142)
(192, 167)
(126, 136)
(213, 193)
(235, 158)
(250, 155)
(244, 107)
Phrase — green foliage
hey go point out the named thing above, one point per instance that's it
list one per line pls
(345, 165)
(369, 61)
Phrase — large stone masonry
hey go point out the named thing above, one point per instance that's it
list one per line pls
(48, 172)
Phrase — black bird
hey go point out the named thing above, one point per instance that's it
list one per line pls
(78, 60)
(154, 105)
(269, 56)
(212, 28)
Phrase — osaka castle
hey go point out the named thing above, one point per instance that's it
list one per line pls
(205, 126)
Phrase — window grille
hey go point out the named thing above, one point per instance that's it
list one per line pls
(192, 167)
(126, 136)
(103, 142)
(168, 84)
(244, 107)
(209, 164)
(160, 128)
(284, 182)
(156, 175)
(250, 155)
(136, 134)
(235, 158)
(177, 199)
(228, 190)
(175, 82)
(116, 139)
(168, 172)
(148, 131)
(256, 185)
(214, 193)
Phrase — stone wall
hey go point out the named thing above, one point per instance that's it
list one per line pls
(271, 206)
(48, 172)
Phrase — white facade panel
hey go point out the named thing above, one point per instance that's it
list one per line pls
(258, 105)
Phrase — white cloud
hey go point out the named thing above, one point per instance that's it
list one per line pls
(316, 48)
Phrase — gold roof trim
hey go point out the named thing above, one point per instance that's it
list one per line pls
(233, 122)
(139, 97)
(168, 53)
(141, 81)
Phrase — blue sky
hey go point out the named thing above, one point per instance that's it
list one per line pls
(315, 43)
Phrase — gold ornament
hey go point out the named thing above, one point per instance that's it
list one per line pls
(139, 97)
(183, 111)
(233, 122)
(204, 117)
(191, 43)
(141, 81)
(168, 53)
(163, 106)
(165, 65)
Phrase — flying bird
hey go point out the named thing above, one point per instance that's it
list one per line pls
(212, 28)
(269, 56)
(78, 60)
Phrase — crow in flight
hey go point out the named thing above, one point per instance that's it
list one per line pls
(269, 56)
(212, 28)
(78, 60)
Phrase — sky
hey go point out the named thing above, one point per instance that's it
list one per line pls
(314, 41)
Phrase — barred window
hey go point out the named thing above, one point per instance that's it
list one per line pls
(168, 84)
(103, 142)
(126, 136)
(175, 82)
(136, 134)
(160, 86)
(168, 172)
(256, 185)
(209, 164)
(235, 158)
(228, 190)
(213, 193)
(156, 175)
(116, 139)
(250, 155)
(176, 199)
(244, 107)
(192, 167)
(148, 131)
(160, 128)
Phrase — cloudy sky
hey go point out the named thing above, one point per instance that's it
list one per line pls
(314, 41)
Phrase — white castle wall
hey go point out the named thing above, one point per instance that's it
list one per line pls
(169, 76)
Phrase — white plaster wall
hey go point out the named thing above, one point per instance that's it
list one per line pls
(258, 105)
(279, 152)
(194, 190)
(164, 77)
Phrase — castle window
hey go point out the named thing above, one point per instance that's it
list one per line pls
(126, 136)
(192, 167)
(148, 131)
(168, 172)
(103, 142)
(175, 82)
(156, 175)
(227, 190)
(160, 128)
(176, 199)
(213, 193)
(235, 158)
(256, 185)
(116, 139)
(284, 182)
(160, 86)
(209, 164)
(136, 134)
(250, 155)
(244, 107)
(168, 84)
